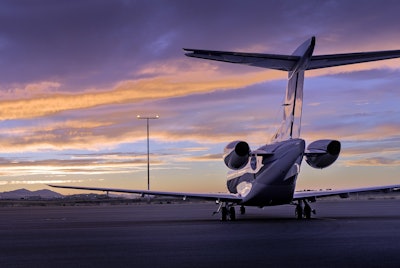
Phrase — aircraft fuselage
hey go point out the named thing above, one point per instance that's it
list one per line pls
(269, 179)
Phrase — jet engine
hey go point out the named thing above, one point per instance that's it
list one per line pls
(322, 153)
(236, 155)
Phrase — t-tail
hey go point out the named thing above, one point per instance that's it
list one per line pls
(296, 64)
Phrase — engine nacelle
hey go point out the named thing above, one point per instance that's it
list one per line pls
(236, 155)
(322, 153)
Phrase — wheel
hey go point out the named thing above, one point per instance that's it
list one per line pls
(307, 211)
(224, 214)
(242, 210)
(232, 213)
(299, 212)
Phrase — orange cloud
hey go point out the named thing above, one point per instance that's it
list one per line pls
(171, 79)
(131, 91)
(207, 157)
(90, 166)
(374, 161)
(34, 90)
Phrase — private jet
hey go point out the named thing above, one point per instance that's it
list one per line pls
(267, 176)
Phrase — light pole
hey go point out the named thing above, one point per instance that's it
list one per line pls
(148, 145)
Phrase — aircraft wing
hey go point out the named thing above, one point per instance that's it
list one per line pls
(271, 61)
(206, 196)
(345, 192)
(323, 61)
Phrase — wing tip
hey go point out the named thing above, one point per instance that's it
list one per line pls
(188, 52)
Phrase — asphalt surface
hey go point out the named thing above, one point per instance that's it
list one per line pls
(342, 234)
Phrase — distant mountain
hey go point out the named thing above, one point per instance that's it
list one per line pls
(26, 194)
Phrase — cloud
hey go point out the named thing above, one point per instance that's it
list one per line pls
(374, 161)
(41, 182)
(75, 166)
(207, 157)
(105, 41)
(125, 92)
(368, 147)
(182, 116)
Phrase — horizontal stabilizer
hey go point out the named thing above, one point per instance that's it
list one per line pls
(324, 61)
(288, 62)
(270, 61)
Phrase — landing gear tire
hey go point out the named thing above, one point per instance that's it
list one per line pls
(224, 214)
(299, 212)
(232, 213)
(242, 210)
(228, 211)
(307, 211)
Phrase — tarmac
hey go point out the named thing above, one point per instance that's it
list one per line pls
(342, 234)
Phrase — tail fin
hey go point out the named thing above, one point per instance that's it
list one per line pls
(293, 105)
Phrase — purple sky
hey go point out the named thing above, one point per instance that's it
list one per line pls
(76, 73)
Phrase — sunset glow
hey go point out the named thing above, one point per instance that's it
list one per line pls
(76, 74)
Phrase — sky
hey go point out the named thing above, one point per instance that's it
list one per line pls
(75, 74)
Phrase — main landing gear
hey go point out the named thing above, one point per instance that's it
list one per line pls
(228, 211)
(303, 212)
